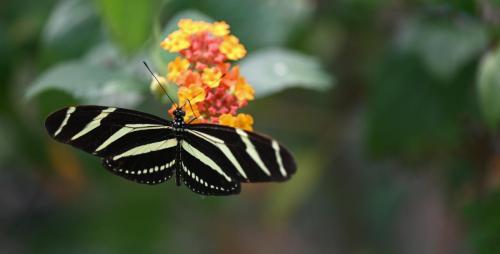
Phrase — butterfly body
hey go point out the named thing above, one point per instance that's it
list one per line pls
(209, 159)
(179, 127)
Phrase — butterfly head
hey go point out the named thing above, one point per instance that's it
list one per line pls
(179, 113)
(179, 117)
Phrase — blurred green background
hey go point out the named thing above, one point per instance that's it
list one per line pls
(391, 108)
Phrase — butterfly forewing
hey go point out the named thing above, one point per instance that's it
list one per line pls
(134, 145)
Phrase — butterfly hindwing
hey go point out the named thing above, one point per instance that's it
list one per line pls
(203, 175)
(142, 165)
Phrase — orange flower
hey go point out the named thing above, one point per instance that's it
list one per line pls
(176, 68)
(194, 94)
(242, 121)
(232, 48)
(190, 78)
(243, 90)
(227, 119)
(211, 77)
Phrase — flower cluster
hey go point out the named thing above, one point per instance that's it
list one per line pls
(206, 79)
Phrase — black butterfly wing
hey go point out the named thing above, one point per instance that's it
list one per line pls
(133, 145)
(243, 156)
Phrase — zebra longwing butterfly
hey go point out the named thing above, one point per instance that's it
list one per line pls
(209, 159)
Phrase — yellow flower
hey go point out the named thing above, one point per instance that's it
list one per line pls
(186, 25)
(220, 29)
(243, 90)
(242, 121)
(176, 41)
(176, 68)
(232, 48)
(211, 77)
(194, 94)
(191, 27)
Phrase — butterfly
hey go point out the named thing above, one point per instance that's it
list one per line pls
(209, 159)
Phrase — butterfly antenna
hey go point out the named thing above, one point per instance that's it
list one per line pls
(161, 86)
(195, 116)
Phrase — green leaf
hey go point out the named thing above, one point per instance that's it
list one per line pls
(444, 46)
(72, 28)
(90, 84)
(412, 115)
(128, 23)
(488, 85)
(275, 69)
